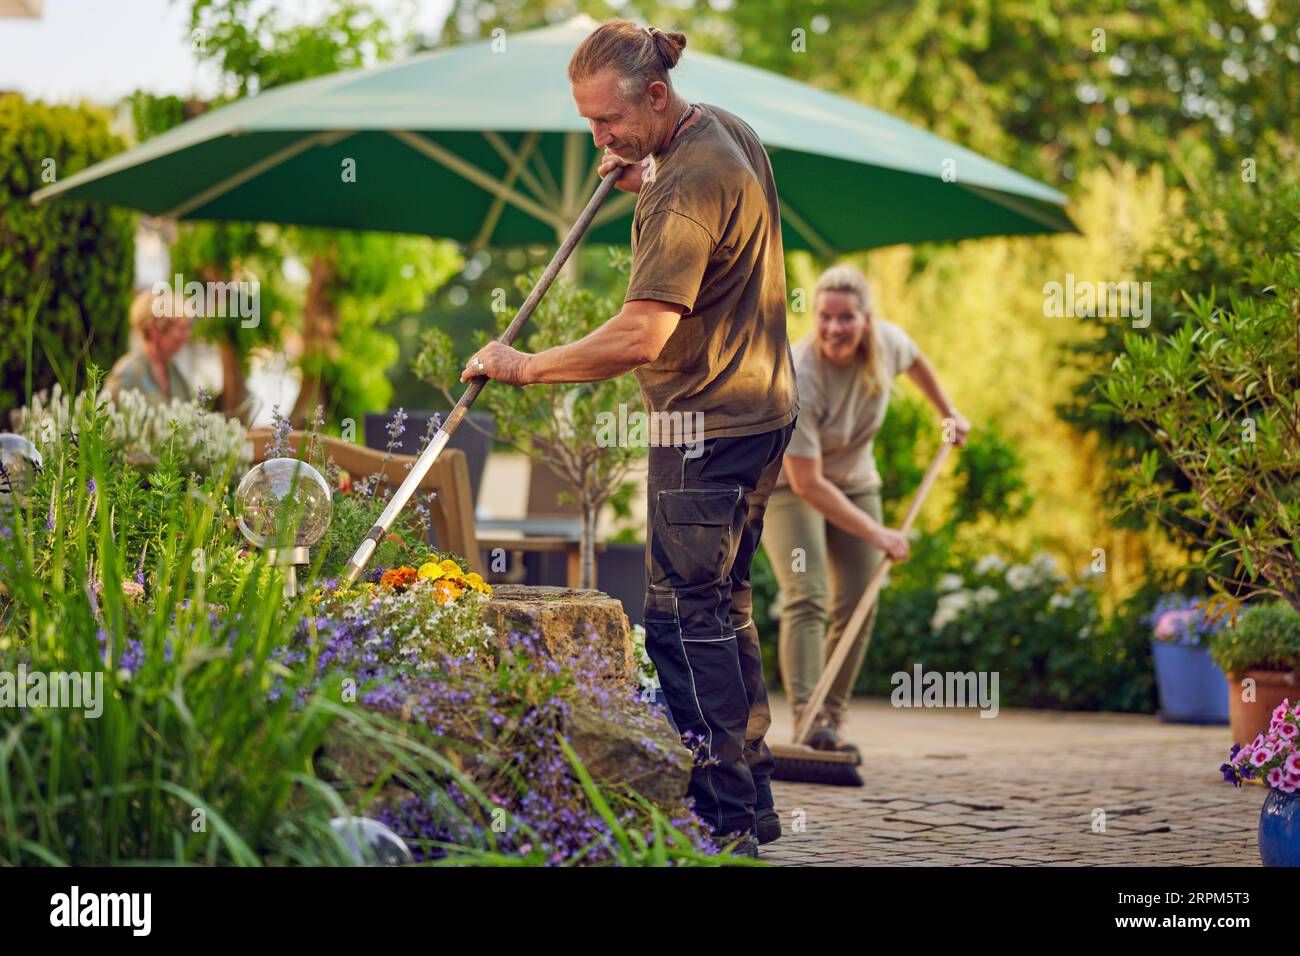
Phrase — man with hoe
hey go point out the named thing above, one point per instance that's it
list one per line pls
(703, 326)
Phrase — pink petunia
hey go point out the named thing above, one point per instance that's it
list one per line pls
(1290, 785)
(1170, 621)
(1287, 731)
(1276, 778)
(1260, 757)
(1293, 764)
(1280, 712)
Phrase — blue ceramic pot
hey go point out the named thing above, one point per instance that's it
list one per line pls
(1193, 690)
(1279, 829)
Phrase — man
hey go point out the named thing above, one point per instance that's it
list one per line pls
(703, 326)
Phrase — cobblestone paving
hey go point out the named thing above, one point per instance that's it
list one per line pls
(949, 788)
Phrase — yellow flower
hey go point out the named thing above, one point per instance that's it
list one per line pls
(446, 591)
(430, 570)
(449, 567)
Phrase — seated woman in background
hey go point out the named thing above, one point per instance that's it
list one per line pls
(158, 333)
(827, 497)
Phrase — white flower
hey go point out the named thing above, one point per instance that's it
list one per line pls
(986, 595)
(957, 600)
(943, 616)
(950, 582)
(990, 562)
(1044, 562)
(1057, 601)
(1020, 576)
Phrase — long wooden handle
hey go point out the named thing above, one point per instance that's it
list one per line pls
(357, 563)
(868, 600)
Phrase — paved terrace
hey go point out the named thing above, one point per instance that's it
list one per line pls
(949, 788)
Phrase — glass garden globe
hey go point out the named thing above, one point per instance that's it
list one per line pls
(19, 463)
(283, 503)
(370, 842)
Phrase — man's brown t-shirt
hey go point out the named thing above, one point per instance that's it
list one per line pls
(707, 235)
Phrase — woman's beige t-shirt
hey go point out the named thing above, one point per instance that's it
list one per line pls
(838, 418)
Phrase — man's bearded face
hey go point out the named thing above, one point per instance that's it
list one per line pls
(626, 129)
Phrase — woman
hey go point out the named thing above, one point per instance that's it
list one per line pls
(159, 333)
(823, 521)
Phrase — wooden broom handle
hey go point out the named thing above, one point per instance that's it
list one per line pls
(868, 600)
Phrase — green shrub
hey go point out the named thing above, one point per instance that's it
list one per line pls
(1266, 637)
(1213, 397)
(1046, 638)
(65, 266)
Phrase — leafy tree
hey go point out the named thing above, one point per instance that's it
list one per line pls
(1219, 398)
(65, 267)
(565, 426)
(354, 279)
(1048, 86)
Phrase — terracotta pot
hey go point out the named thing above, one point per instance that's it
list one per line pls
(1251, 718)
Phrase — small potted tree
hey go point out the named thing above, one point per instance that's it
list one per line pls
(565, 426)
(1260, 655)
(1190, 683)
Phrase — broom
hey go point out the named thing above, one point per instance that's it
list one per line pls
(361, 557)
(797, 762)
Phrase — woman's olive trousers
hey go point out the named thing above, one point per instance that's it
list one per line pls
(822, 571)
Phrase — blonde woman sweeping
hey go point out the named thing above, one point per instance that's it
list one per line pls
(827, 497)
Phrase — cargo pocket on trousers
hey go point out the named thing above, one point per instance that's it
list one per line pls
(692, 536)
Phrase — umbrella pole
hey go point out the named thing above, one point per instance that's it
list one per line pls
(361, 557)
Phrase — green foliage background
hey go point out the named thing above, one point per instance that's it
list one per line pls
(64, 267)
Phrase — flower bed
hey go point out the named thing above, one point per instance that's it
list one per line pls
(393, 694)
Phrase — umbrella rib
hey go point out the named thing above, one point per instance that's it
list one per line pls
(807, 231)
(1014, 204)
(529, 152)
(456, 164)
(551, 187)
(250, 172)
(517, 163)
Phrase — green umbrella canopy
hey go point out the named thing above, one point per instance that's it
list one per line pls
(483, 143)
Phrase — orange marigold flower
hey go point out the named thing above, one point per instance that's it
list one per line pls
(399, 579)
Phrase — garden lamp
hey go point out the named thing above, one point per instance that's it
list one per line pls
(284, 506)
(19, 464)
(370, 842)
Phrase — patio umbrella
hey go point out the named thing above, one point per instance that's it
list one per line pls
(483, 143)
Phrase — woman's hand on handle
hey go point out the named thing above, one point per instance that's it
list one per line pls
(893, 543)
(960, 427)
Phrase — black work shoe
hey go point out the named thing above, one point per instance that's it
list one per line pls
(769, 825)
(740, 844)
(825, 738)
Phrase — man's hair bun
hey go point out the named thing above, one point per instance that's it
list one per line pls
(669, 46)
(639, 55)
